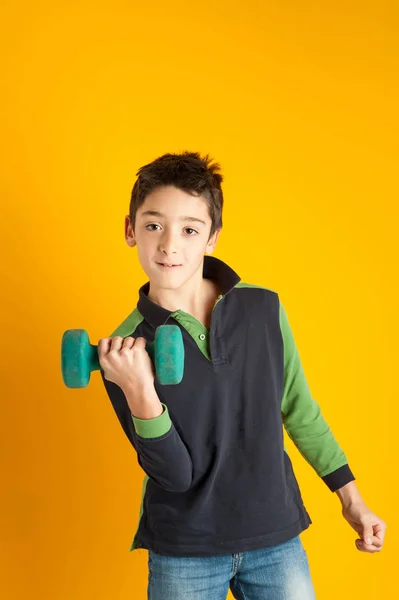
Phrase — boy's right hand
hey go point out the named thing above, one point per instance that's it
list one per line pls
(126, 362)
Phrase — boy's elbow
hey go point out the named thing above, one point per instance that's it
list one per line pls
(183, 486)
(180, 482)
(177, 488)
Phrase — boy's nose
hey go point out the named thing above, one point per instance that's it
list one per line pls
(168, 245)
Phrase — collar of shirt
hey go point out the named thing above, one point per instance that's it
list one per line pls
(214, 268)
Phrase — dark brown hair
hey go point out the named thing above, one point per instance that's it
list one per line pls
(187, 171)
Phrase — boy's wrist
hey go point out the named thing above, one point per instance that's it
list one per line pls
(147, 411)
(143, 402)
(349, 494)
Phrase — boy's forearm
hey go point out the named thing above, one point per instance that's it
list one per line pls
(161, 452)
(349, 494)
(143, 403)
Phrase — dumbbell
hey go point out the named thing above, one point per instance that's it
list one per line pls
(79, 357)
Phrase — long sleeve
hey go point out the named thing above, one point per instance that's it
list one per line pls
(161, 452)
(303, 420)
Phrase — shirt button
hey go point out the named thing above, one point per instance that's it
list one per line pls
(202, 336)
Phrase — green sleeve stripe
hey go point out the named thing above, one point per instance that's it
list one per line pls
(302, 417)
(134, 545)
(153, 428)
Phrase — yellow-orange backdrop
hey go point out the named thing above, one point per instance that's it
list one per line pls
(298, 102)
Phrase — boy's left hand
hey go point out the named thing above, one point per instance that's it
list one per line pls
(371, 529)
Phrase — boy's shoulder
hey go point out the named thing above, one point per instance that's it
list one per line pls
(244, 284)
(128, 325)
(260, 291)
(260, 296)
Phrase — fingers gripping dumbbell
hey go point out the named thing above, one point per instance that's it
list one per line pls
(79, 357)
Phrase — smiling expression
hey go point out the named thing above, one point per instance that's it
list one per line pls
(172, 227)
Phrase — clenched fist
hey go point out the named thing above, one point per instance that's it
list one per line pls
(126, 362)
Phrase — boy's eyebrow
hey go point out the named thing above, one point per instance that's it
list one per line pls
(155, 213)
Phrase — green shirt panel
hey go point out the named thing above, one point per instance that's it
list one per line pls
(302, 416)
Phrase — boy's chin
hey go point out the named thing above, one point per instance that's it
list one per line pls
(166, 280)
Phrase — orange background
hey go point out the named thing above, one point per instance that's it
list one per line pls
(298, 101)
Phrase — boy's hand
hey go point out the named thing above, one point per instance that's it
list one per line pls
(126, 362)
(371, 529)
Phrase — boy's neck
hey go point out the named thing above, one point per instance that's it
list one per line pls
(198, 299)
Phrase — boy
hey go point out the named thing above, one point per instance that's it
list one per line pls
(221, 505)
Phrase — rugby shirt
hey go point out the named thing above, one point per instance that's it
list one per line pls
(218, 478)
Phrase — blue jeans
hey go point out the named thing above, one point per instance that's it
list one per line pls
(278, 572)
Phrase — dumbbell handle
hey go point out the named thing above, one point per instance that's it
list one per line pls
(94, 360)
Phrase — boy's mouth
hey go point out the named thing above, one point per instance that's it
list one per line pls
(167, 265)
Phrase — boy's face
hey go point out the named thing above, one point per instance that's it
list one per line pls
(177, 235)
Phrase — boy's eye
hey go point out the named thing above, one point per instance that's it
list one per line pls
(155, 225)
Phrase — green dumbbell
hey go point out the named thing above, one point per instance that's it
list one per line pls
(79, 358)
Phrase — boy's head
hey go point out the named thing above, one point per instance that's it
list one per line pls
(175, 216)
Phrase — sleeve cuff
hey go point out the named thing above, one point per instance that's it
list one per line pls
(338, 478)
(153, 428)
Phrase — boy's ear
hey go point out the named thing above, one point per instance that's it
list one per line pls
(213, 241)
(129, 233)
